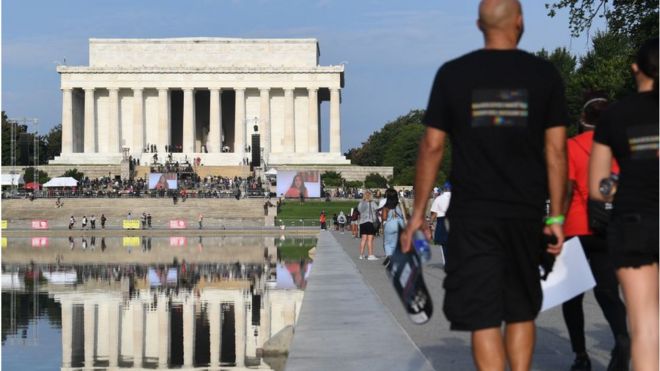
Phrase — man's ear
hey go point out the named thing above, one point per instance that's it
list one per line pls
(479, 25)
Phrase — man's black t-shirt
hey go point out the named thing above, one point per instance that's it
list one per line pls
(496, 105)
(630, 128)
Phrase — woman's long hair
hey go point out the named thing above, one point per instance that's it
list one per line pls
(302, 188)
(391, 198)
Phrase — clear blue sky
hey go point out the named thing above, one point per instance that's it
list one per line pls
(391, 48)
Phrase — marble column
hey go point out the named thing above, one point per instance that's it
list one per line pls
(163, 331)
(239, 123)
(114, 142)
(264, 114)
(90, 124)
(335, 124)
(114, 333)
(215, 122)
(67, 331)
(313, 98)
(89, 312)
(215, 327)
(138, 121)
(67, 121)
(289, 125)
(188, 120)
(138, 333)
(240, 328)
(188, 332)
(163, 118)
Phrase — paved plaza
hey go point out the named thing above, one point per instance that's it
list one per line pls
(365, 326)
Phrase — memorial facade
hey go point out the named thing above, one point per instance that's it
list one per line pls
(207, 98)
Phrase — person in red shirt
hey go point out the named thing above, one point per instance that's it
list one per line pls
(595, 248)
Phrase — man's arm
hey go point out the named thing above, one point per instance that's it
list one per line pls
(555, 156)
(429, 157)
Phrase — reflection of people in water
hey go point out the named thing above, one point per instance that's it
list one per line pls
(162, 182)
(297, 188)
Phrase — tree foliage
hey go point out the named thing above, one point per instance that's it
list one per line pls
(48, 145)
(332, 179)
(74, 173)
(604, 69)
(396, 145)
(636, 20)
(41, 175)
(375, 180)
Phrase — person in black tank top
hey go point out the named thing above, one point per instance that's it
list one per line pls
(628, 132)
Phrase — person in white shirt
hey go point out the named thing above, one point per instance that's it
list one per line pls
(438, 211)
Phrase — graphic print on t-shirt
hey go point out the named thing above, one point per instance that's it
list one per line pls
(499, 108)
(643, 141)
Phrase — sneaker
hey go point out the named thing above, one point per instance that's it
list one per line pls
(581, 363)
(361, 257)
(386, 261)
(372, 257)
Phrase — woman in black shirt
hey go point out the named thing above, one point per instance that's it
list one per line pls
(629, 132)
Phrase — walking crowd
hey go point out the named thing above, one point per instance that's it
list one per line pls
(505, 111)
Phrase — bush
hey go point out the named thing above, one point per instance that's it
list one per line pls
(374, 180)
(332, 179)
(74, 173)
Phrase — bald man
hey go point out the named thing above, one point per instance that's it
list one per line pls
(505, 113)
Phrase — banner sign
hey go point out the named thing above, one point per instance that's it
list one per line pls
(178, 241)
(131, 224)
(40, 224)
(177, 224)
(292, 184)
(162, 181)
(39, 241)
(131, 241)
(4, 223)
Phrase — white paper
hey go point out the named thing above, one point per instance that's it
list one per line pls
(570, 276)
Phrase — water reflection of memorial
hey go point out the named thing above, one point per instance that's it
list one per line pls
(177, 315)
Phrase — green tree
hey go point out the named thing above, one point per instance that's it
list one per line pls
(29, 176)
(606, 67)
(375, 180)
(54, 142)
(636, 20)
(332, 179)
(354, 183)
(74, 173)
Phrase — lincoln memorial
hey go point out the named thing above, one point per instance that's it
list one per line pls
(218, 99)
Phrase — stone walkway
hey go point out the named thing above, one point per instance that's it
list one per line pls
(349, 304)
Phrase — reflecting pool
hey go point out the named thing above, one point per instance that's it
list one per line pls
(149, 302)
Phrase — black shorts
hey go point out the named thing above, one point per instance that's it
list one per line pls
(367, 229)
(492, 272)
(632, 240)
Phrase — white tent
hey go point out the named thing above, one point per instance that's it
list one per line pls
(12, 179)
(272, 171)
(61, 182)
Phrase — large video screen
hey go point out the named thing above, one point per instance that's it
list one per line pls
(162, 181)
(292, 184)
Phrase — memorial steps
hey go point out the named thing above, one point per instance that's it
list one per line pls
(218, 213)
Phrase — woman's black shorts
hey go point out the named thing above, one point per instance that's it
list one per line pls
(632, 240)
(367, 229)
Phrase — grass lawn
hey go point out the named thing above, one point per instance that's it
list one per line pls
(292, 211)
(292, 248)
